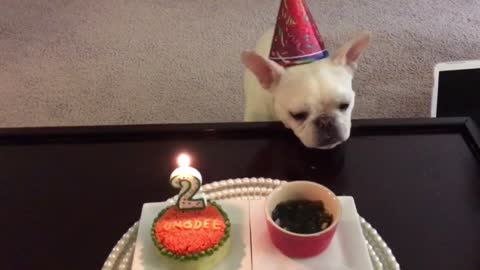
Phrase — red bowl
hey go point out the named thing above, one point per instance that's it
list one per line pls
(297, 245)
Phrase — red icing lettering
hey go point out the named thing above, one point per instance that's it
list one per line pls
(216, 224)
(187, 224)
(206, 223)
(197, 224)
(177, 223)
(167, 225)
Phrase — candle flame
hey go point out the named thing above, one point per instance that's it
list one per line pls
(183, 160)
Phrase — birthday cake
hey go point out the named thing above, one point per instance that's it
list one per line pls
(192, 239)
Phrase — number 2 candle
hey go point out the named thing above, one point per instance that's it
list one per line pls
(188, 180)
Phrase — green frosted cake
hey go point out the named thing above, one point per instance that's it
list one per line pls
(192, 239)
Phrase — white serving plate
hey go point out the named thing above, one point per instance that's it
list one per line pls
(145, 256)
(121, 256)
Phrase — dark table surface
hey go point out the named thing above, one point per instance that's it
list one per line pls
(68, 194)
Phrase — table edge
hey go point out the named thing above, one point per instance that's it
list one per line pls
(360, 127)
(384, 124)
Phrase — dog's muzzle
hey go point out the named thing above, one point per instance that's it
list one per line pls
(328, 133)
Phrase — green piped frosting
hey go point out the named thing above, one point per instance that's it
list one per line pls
(194, 256)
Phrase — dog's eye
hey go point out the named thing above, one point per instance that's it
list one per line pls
(300, 116)
(343, 106)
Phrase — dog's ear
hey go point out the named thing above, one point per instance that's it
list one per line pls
(268, 73)
(349, 53)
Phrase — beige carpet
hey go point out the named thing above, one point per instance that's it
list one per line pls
(89, 62)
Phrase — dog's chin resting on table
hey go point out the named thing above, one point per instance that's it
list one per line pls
(315, 100)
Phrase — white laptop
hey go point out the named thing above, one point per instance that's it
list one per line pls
(456, 90)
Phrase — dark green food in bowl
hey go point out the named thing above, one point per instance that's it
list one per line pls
(302, 216)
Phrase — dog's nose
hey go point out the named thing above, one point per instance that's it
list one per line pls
(327, 129)
(324, 122)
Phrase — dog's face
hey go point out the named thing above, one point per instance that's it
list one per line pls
(314, 100)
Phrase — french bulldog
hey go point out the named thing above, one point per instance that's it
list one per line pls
(314, 100)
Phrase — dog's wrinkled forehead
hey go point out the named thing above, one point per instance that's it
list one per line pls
(319, 83)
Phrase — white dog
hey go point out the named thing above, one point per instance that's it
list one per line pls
(315, 100)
